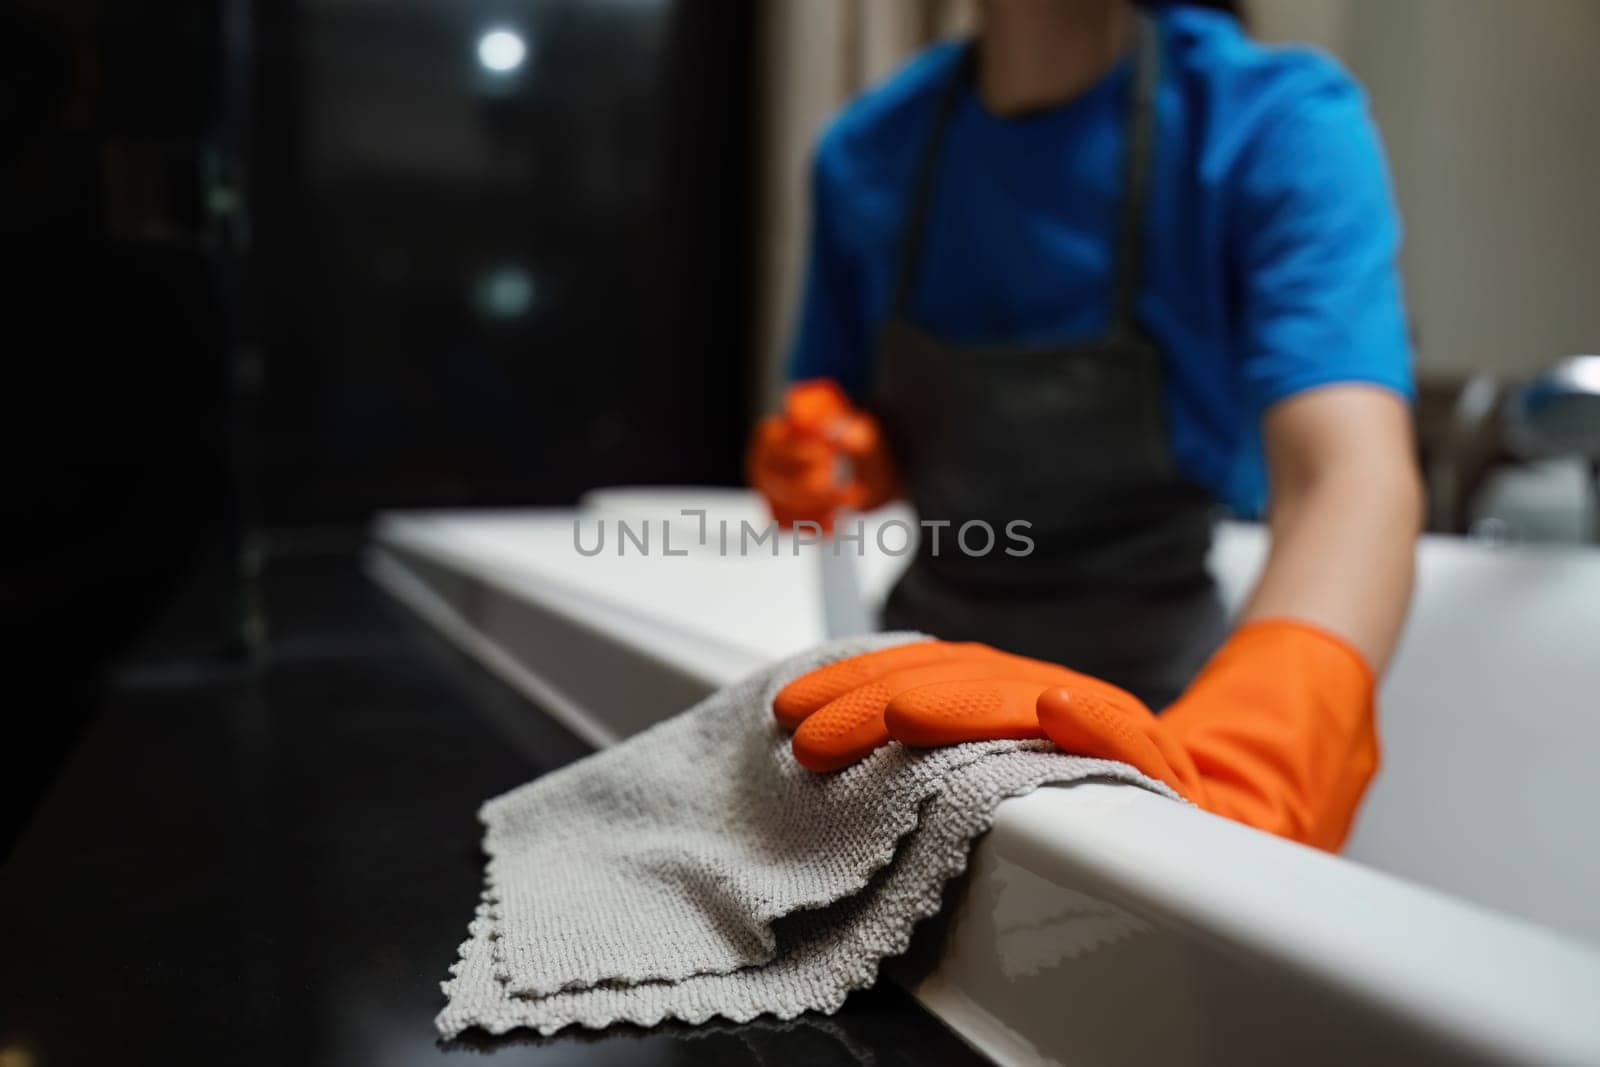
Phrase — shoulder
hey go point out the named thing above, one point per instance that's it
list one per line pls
(1253, 95)
(876, 136)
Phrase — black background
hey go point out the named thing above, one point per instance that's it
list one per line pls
(245, 247)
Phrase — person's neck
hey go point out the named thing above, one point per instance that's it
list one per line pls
(1035, 54)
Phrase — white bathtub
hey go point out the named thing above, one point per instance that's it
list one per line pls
(1103, 924)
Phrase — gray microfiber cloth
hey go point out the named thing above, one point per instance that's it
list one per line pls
(696, 870)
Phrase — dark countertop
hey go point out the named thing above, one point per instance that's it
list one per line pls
(275, 864)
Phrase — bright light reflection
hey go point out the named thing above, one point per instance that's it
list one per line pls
(501, 51)
(506, 292)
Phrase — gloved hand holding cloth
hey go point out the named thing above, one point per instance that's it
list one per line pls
(1277, 731)
(696, 871)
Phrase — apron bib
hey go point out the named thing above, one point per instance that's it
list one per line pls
(1069, 439)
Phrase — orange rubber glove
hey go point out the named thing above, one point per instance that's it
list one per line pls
(1276, 732)
(821, 455)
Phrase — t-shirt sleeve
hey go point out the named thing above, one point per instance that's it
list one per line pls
(831, 338)
(1317, 236)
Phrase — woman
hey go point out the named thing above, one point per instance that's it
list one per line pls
(1097, 270)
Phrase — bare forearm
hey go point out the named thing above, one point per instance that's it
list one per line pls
(1345, 513)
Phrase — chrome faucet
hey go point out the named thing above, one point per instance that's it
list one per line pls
(1558, 414)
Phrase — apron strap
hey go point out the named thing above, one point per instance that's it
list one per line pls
(1136, 179)
(1130, 226)
(910, 253)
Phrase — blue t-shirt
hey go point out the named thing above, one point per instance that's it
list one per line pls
(1270, 235)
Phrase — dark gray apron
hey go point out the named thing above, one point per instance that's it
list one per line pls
(1067, 438)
